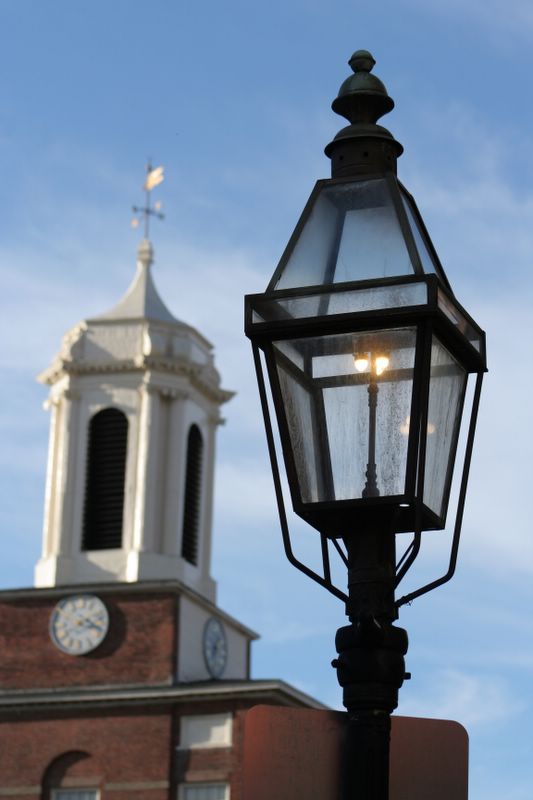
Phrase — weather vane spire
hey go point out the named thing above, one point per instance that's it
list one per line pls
(154, 176)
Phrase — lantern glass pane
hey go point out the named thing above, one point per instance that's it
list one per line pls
(351, 233)
(300, 413)
(375, 299)
(446, 392)
(346, 401)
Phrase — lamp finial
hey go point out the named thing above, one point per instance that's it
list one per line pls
(362, 60)
(362, 147)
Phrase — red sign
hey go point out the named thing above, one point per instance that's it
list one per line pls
(294, 754)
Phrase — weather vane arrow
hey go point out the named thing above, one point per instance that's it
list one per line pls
(154, 176)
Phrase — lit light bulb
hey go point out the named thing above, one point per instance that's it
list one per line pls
(158, 205)
(135, 222)
(382, 362)
(361, 362)
(431, 428)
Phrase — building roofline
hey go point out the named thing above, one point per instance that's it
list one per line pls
(23, 702)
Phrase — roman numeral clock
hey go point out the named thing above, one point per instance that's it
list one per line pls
(79, 624)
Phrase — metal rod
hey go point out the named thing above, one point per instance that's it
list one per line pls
(340, 551)
(410, 556)
(371, 485)
(325, 557)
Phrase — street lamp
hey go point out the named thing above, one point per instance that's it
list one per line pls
(368, 355)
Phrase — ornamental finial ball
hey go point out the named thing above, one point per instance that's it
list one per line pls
(362, 97)
(362, 60)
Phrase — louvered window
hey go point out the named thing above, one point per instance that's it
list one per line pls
(192, 500)
(104, 487)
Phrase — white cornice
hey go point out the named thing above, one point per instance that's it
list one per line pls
(90, 697)
(203, 378)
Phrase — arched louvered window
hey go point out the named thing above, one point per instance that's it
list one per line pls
(104, 483)
(193, 493)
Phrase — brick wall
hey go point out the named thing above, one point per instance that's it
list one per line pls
(139, 648)
(129, 754)
(125, 756)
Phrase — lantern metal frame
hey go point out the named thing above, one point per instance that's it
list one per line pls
(267, 322)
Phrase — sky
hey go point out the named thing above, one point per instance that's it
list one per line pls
(234, 100)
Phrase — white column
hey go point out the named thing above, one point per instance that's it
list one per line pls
(68, 474)
(60, 534)
(213, 420)
(148, 472)
(174, 476)
(50, 496)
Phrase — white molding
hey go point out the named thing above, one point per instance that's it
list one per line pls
(201, 731)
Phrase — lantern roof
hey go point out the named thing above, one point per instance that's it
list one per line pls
(353, 230)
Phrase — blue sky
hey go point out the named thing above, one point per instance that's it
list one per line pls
(234, 99)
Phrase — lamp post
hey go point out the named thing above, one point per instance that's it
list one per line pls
(368, 356)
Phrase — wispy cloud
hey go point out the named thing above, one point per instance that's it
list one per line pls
(478, 214)
(474, 700)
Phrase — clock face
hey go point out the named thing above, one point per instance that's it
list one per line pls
(79, 624)
(215, 647)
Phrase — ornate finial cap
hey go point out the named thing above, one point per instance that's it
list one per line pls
(362, 100)
(145, 253)
(362, 60)
(362, 97)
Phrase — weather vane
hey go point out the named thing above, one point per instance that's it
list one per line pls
(154, 176)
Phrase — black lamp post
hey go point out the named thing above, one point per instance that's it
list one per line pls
(368, 356)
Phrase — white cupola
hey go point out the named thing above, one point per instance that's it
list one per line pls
(135, 401)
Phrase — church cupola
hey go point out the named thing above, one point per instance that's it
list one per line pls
(135, 402)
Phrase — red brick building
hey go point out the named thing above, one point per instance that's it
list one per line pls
(120, 677)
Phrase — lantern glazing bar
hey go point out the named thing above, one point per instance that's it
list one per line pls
(406, 229)
(418, 411)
